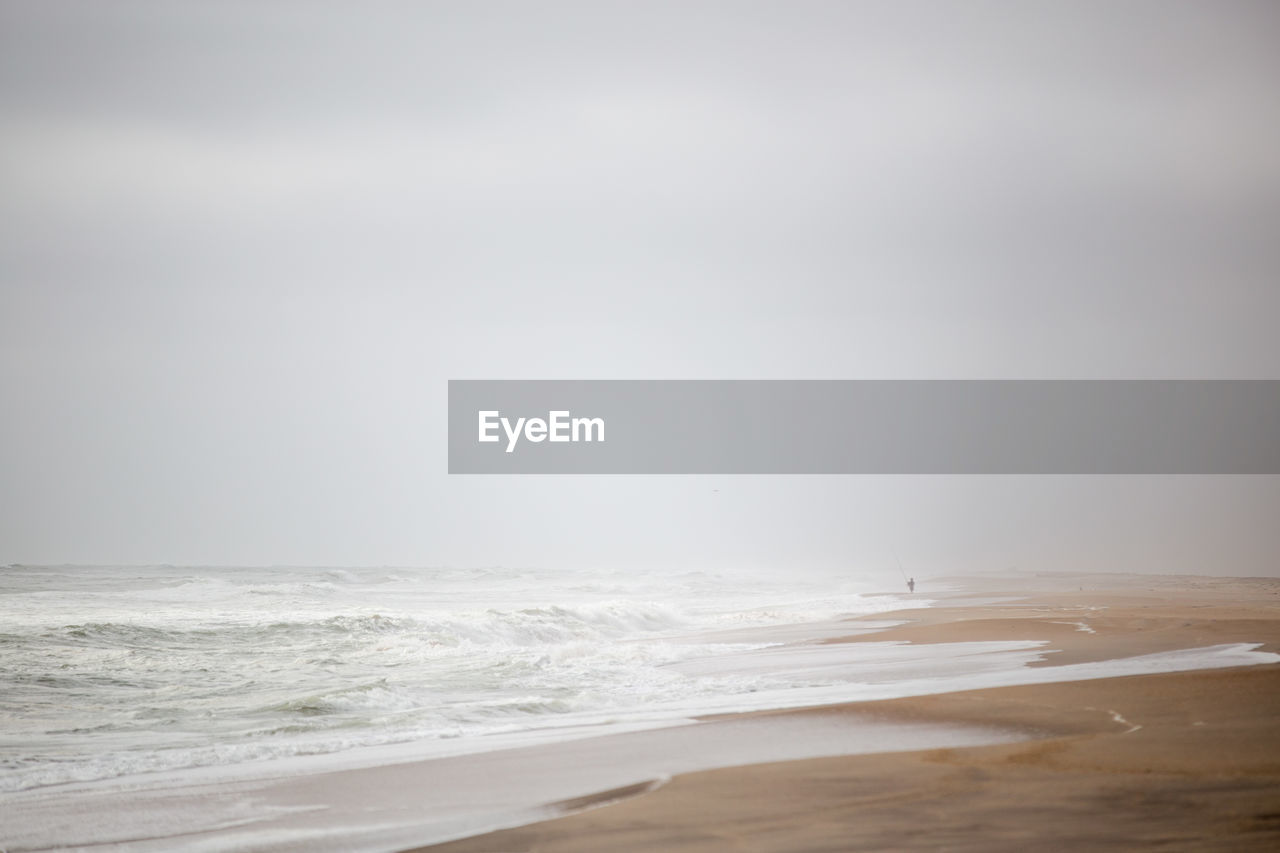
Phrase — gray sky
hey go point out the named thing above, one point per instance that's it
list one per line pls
(244, 245)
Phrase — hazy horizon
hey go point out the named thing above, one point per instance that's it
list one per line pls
(243, 247)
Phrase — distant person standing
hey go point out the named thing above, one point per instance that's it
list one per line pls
(911, 584)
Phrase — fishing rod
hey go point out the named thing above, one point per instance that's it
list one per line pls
(910, 582)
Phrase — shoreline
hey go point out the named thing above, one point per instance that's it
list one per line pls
(1028, 676)
(1188, 760)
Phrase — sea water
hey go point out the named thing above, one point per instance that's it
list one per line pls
(150, 709)
(108, 671)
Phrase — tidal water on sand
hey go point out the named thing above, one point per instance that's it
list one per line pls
(283, 709)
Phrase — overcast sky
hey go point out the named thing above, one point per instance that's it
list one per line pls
(244, 245)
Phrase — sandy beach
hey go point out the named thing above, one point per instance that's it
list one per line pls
(1000, 713)
(1179, 761)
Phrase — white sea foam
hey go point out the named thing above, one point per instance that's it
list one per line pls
(218, 679)
(109, 671)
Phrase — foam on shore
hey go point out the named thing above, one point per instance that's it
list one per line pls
(404, 800)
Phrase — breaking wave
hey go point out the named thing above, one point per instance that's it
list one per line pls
(173, 667)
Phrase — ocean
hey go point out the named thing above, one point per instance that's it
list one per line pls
(287, 709)
(108, 671)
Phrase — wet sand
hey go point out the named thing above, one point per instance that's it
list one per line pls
(1178, 761)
